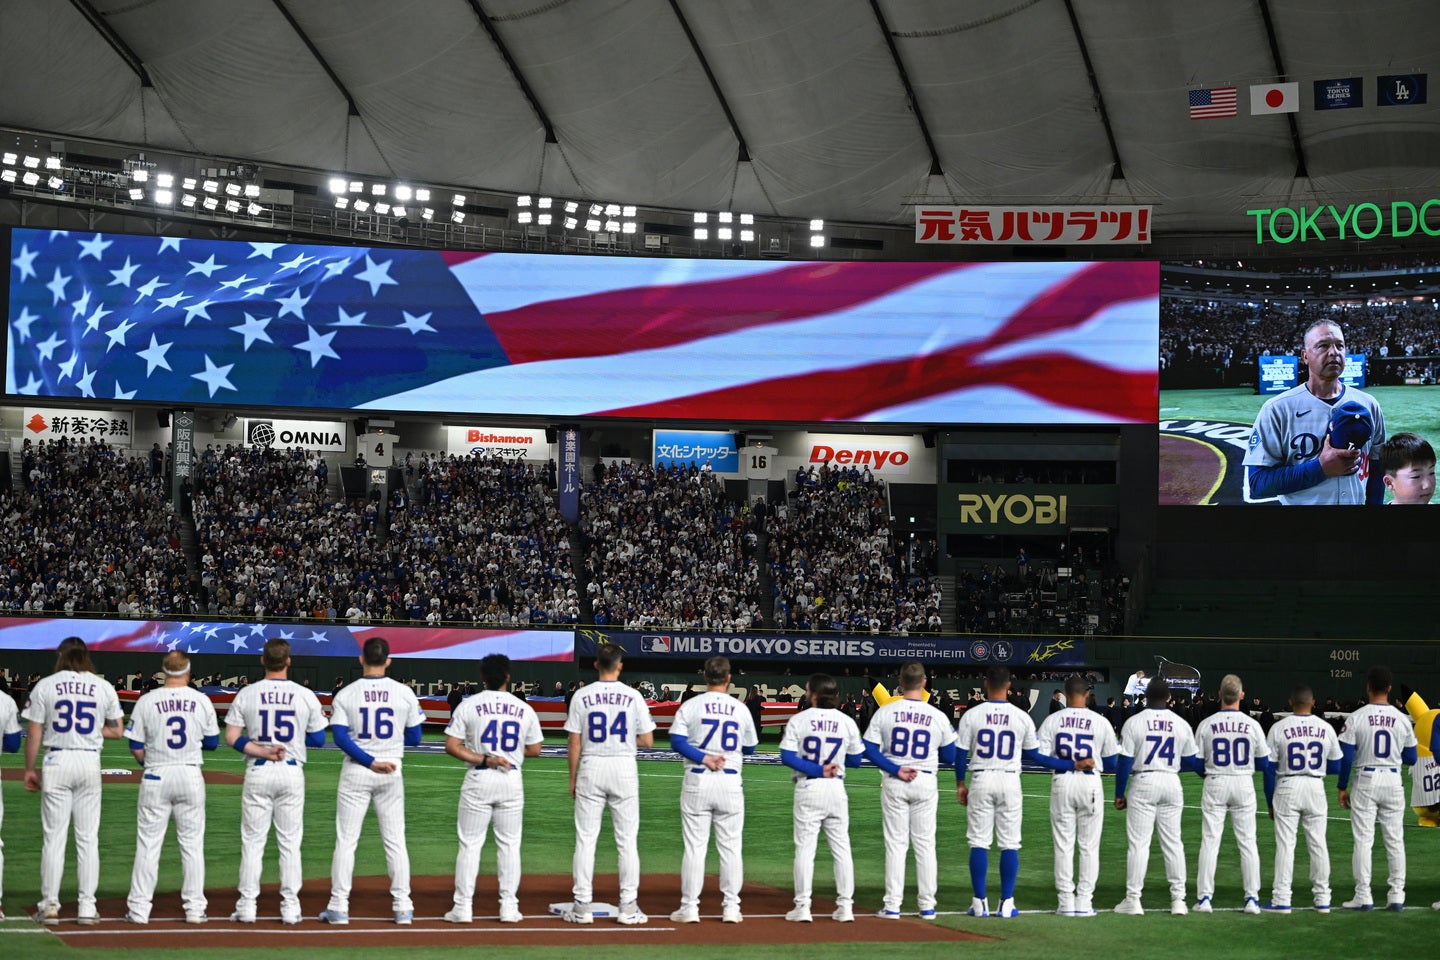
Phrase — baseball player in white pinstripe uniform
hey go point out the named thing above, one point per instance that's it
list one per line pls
(713, 732)
(1303, 749)
(286, 716)
(1155, 745)
(991, 740)
(169, 727)
(1233, 746)
(818, 744)
(492, 733)
(606, 723)
(72, 713)
(1374, 743)
(10, 743)
(372, 720)
(908, 739)
(1077, 802)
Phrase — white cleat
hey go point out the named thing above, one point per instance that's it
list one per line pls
(456, 915)
(1083, 909)
(978, 907)
(196, 918)
(511, 915)
(240, 916)
(732, 916)
(136, 919)
(48, 915)
(1130, 907)
(579, 913)
(1178, 908)
(1252, 906)
(1065, 908)
(1008, 909)
(630, 916)
(843, 915)
(1203, 905)
(88, 920)
(685, 915)
(883, 914)
(799, 915)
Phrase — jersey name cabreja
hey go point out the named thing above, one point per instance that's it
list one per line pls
(995, 733)
(608, 716)
(73, 708)
(1301, 745)
(1076, 733)
(1379, 733)
(377, 711)
(1157, 740)
(1425, 783)
(716, 722)
(911, 732)
(1289, 430)
(822, 735)
(497, 724)
(277, 712)
(1231, 742)
(172, 722)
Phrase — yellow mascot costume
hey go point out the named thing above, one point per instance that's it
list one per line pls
(1424, 718)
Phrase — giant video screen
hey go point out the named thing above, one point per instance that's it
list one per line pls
(1299, 382)
(199, 321)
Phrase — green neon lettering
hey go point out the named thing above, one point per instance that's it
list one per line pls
(1395, 218)
(1259, 216)
(1275, 215)
(1424, 213)
(1379, 222)
(1342, 221)
(1308, 223)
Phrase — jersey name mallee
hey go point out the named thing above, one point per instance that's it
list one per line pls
(1075, 734)
(173, 722)
(1289, 430)
(1379, 733)
(377, 711)
(497, 724)
(911, 732)
(1231, 742)
(274, 711)
(714, 723)
(1157, 740)
(1302, 746)
(995, 734)
(608, 716)
(73, 707)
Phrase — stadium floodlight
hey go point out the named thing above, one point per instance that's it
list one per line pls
(164, 197)
(817, 239)
(593, 225)
(188, 183)
(31, 163)
(232, 206)
(725, 216)
(426, 213)
(524, 216)
(254, 209)
(403, 192)
(137, 193)
(30, 179)
(747, 219)
(596, 209)
(628, 226)
(458, 200)
(342, 202)
(701, 217)
(357, 186)
(612, 209)
(362, 206)
(164, 181)
(571, 223)
(339, 185)
(627, 211)
(52, 162)
(9, 159)
(7, 176)
(382, 208)
(211, 186)
(612, 226)
(723, 233)
(702, 233)
(571, 206)
(545, 203)
(817, 225)
(398, 211)
(423, 195)
(378, 190)
(545, 219)
(252, 190)
(524, 200)
(457, 217)
(55, 183)
(187, 199)
(747, 236)
(211, 203)
(232, 189)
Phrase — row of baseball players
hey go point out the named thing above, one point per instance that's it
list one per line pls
(71, 712)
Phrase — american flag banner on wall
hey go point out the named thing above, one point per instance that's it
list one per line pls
(187, 321)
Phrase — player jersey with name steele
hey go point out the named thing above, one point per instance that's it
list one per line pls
(995, 733)
(1157, 740)
(1076, 733)
(497, 724)
(1379, 733)
(73, 707)
(716, 722)
(277, 712)
(821, 735)
(911, 732)
(1290, 428)
(608, 716)
(1231, 742)
(377, 711)
(172, 722)
(1302, 745)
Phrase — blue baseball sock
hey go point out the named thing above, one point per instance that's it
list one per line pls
(979, 866)
(1009, 871)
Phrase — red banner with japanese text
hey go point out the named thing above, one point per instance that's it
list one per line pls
(1018, 225)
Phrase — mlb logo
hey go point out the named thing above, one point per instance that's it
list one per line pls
(654, 644)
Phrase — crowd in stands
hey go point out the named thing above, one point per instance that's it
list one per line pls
(90, 530)
(1038, 598)
(667, 548)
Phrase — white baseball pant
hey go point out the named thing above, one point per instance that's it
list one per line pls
(360, 787)
(1300, 802)
(706, 800)
(1153, 805)
(993, 811)
(495, 799)
(1234, 796)
(1077, 814)
(1377, 793)
(907, 812)
(602, 782)
(70, 792)
(165, 792)
(273, 792)
(821, 802)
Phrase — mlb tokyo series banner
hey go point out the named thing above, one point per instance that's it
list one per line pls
(820, 647)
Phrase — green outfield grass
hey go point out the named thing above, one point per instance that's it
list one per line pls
(432, 787)
(1416, 409)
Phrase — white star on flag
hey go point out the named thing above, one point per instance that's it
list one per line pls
(123, 275)
(215, 377)
(57, 286)
(148, 290)
(26, 262)
(293, 304)
(22, 323)
(237, 642)
(349, 320)
(93, 247)
(198, 309)
(317, 345)
(170, 243)
(263, 249)
(376, 274)
(117, 334)
(206, 267)
(154, 355)
(86, 383)
(415, 324)
(253, 329)
(123, 394)
(48, 345)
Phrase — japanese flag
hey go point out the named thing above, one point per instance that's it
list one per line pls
(1274, 98)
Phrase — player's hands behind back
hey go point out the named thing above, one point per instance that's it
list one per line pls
(714, 761)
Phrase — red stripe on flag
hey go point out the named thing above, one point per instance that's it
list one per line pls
(604, 324)
(453, 258)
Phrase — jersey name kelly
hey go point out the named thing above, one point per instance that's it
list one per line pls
(277, 698)
(715, 708)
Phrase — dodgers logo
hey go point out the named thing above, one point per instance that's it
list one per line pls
(654, 644)
(1003, 651)
(979, 650)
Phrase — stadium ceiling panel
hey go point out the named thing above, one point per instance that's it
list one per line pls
(815, 109)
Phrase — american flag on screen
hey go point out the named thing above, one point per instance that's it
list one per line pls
(1212, 102)
(185, 321)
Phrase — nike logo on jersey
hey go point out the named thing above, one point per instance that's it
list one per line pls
(1301, 413)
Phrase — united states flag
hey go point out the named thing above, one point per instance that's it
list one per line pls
(185, 321)
(1212, 102)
